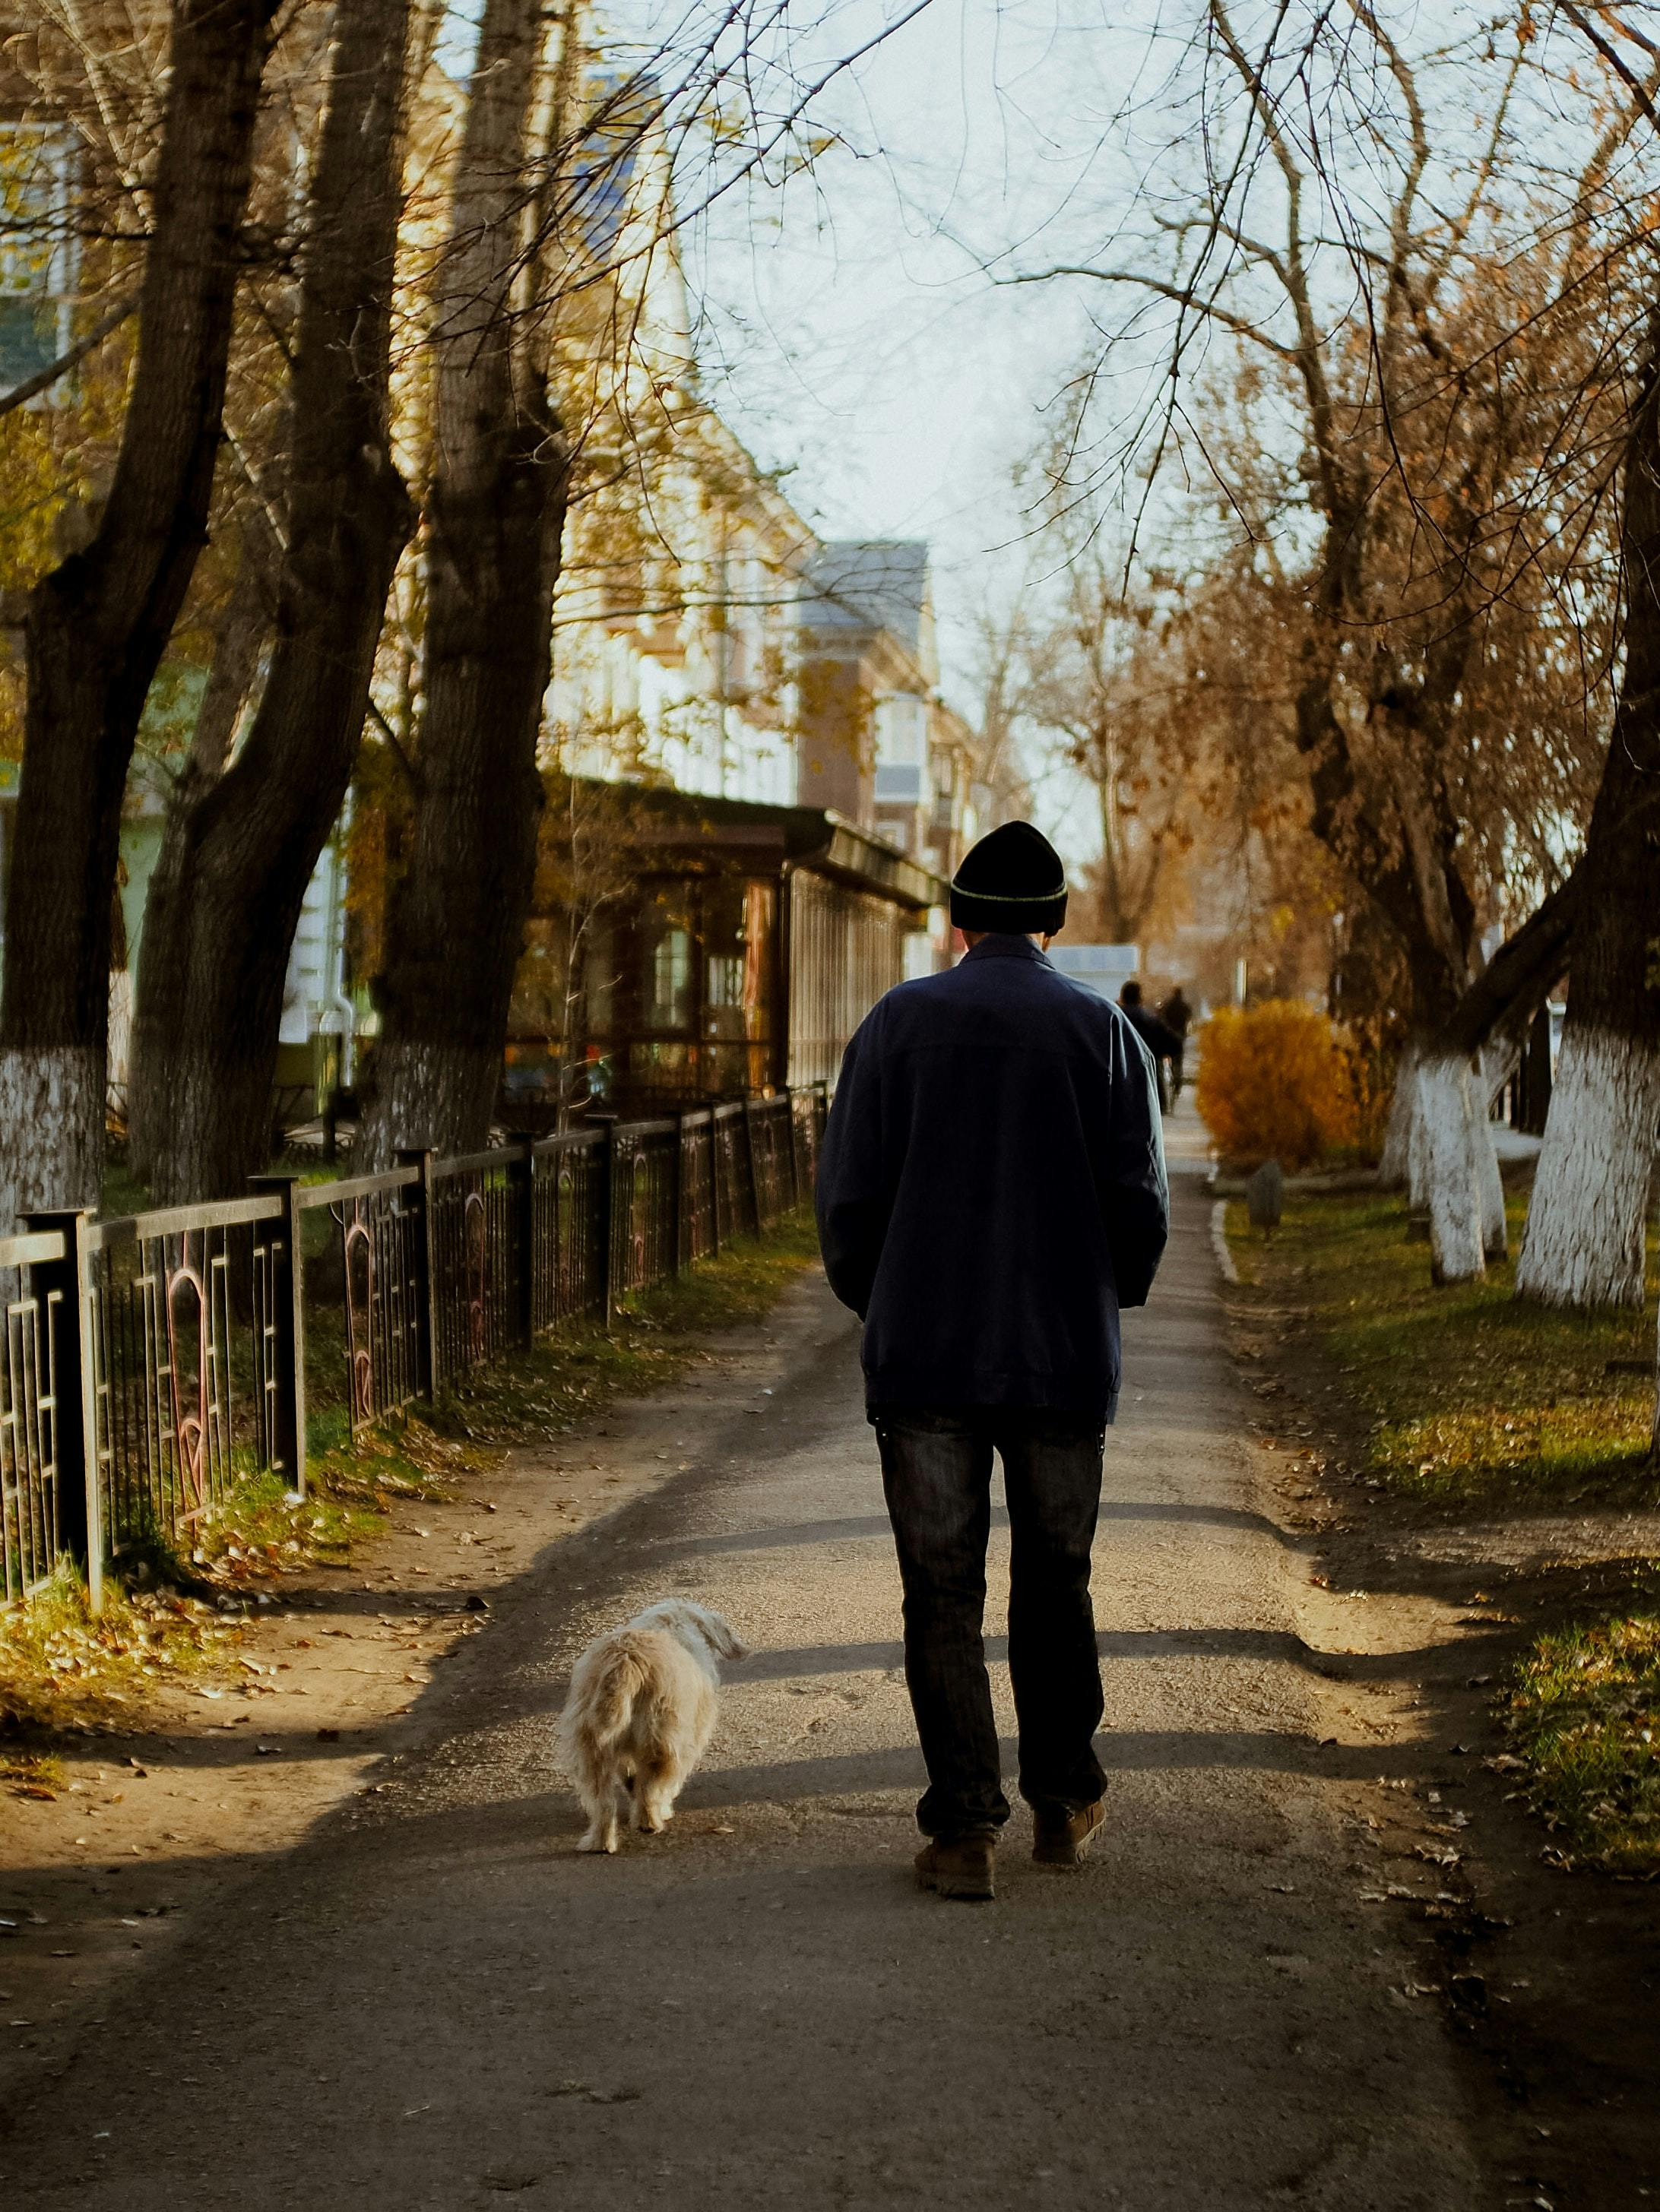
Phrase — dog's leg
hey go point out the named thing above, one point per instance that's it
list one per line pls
(655, 1794)
(599, 1835)
(599, 1795)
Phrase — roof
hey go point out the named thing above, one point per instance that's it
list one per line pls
(815, 837)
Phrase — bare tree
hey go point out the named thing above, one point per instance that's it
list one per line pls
(244, 838)
(99, 623)
(497, 512)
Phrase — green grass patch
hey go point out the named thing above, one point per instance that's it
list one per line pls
(257, 1530)
(1473, 1398)
(33, 1774)
(1584, 1715)
(64, 1668)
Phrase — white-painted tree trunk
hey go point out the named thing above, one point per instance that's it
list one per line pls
(1494, 1065)
(1584, 1245)
(1418, 1148)
(1448, 1145)
(1395, 1165)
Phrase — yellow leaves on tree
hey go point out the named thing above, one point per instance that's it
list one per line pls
(1277, 1081)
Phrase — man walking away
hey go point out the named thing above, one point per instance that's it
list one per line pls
(991, 1192)
(1177, 1015)
(1160, 1040)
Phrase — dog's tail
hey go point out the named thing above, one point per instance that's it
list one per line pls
(601, 1708)
(611, 1706)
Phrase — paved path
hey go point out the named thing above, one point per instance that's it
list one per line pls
(434, 2004)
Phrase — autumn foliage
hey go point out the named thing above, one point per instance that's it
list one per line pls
(1280, 1081)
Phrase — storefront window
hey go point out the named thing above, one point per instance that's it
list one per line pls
(665, 960)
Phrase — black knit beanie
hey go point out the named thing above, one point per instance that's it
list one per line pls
(1012, 880)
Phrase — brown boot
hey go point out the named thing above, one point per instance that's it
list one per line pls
(1059, 1840)
(958, 1867)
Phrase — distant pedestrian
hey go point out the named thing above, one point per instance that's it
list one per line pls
(992, 1191)
(1160, 1040)
(1177, 1015)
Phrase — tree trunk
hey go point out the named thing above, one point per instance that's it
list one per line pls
(1584, 1245)
(97, 626)
(496, 515)
(1447, 1114)
(242, 845)
(166, 901)
(1395, 1163)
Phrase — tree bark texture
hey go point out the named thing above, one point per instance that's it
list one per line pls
(243, 843)
(1452, 1176)
(1584, 1240)
(230, 681)
(98, 624)
(496, 518)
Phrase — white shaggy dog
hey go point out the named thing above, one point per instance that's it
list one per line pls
(641, 1709)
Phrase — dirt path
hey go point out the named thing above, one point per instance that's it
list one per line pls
(432, 2001)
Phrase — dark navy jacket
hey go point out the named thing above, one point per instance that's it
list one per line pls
(992, 1188)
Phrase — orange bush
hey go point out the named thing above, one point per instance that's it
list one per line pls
(1277, 1081)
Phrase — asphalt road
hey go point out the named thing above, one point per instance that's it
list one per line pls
(434, 2002)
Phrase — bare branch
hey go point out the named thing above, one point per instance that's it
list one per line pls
(44, 379)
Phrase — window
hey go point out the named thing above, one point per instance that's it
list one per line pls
(668, 995)
(901, 730)
(902, 748)
(37, 252)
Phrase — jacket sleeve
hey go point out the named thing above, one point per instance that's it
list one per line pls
(854, 1195)
(1130, 1168)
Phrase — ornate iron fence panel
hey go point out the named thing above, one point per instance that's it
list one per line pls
(31, 1524)
(566, 1240)
(808, 1110)
(476, 1237)
(644, 1200)
(734, 1202)
(701, 1232)
(382, 1229)
(774, 1175)
(181, 1328)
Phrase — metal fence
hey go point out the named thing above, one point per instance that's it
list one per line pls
(152, 1362)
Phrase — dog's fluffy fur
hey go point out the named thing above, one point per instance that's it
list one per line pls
(641, 1709)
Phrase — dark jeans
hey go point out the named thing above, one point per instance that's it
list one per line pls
(936, 1470)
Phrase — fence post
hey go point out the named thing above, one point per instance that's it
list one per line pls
(75, 1381)
(287, 1291)
(715, 1180)
(682, 1241)
(605, 1169)
(522, 1181)
(789, 1131)
(426, 1265)
(749, 1155)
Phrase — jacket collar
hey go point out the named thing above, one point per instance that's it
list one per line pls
(1001, 946)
